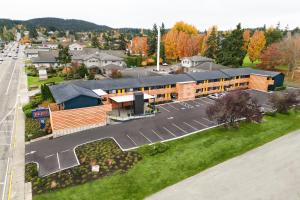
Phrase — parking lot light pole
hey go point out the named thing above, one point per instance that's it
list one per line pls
(158, 48)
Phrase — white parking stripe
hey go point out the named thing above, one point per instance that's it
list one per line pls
(66, 150)
(58, 160)
(157, 135)
(169, 131)
(208, 120)
(190, 126)
(179, 128)
(164, 108)
(200, 123)
(4, 144)
(145, 136)
(173, 107)
(132, 140)
(49, 156)
(205, 101)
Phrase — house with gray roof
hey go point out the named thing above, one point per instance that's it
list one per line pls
(46, 59)
(194, 61)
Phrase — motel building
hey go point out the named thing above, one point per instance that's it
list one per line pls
(85, 104)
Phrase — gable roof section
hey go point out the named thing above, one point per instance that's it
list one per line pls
(201, 76)
(64, 92)
(248, 71)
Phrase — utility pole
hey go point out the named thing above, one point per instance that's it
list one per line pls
(158, 48)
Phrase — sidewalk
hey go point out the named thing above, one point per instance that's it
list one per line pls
(270, 172)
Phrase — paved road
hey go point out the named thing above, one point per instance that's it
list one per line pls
(9, 79)
(270, 172)
(175, 120)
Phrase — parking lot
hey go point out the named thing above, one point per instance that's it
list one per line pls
(175, 120)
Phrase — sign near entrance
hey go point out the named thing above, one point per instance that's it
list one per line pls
(40, 113)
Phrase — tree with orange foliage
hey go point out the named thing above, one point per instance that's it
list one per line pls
(271, 57)
(256, 45)
(139, 45)
(170, 42)
(184, 27)
(246, 36)
(181, 41)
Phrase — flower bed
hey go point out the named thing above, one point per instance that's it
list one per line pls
(104, 153)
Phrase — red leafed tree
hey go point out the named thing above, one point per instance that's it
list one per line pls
(271, 57)
(139, 45)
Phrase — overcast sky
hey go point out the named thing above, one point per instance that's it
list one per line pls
(143, 13)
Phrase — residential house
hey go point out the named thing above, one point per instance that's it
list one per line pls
(33, 53)
(46, 59)
(76, 47)
(50, 45)
(195, 61)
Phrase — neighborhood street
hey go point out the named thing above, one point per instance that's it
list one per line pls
(9, 79)
(175, 120)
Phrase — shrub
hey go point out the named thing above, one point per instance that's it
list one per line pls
(155, 149)
(28, 113)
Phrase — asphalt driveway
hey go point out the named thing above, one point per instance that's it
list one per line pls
(175, 120)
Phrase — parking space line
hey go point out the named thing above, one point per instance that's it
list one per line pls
(145, 136)
(58, 160)
(169, 131)
(190, 126)
(157, 135)
(200, 123)
(4, 144)
(132, 140)
(179, 128)
(173, 107)
(49, 156)
(205, 101)
(209, 120)
(164, 108)
(65, 150)
(1, 183)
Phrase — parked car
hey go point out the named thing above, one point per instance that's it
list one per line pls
(165, 64)
(216, 95)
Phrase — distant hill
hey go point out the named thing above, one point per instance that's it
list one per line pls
(57, 24)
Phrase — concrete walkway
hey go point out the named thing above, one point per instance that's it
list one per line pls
(270, 172)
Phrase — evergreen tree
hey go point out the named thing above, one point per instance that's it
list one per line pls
(231, 52)
(94, 41)
(122, 42)
(213, 44)
(64, 56)
(33, 33)
(152, 41)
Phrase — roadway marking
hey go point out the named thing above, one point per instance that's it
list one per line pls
(169, 131)
(5, 179)
(170, 118)
(208, 120)
(58, 160)
(205, 101)
(164, 108)
(157, 135)
(173, 107)
(200, 123)
(12, 74)
(179, 128)
(190, 126)
(132, 140)
(65, 150)
(145, 136)
(31, 152)
(4, 144)
(49, 156)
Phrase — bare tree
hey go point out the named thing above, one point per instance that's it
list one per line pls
(283, 101)
(290, 47)
(233, 107)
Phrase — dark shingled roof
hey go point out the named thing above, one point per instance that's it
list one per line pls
(46, 57)
(248, 71)
(201, 76)
(65, 92)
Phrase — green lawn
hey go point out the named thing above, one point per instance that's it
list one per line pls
(282, 67)
(35, 82)
(248, 63)
(185, 157)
